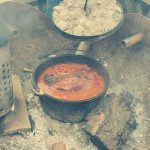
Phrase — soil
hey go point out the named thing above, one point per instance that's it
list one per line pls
(101, 17)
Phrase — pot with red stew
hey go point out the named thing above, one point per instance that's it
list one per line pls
(70, 86)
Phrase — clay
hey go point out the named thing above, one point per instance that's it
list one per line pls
(104, 15)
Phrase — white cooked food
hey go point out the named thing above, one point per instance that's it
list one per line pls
(103, 16)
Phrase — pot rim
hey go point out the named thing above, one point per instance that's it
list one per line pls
(35, 87)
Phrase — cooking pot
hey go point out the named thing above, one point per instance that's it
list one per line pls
(90, 37)
(64, 110)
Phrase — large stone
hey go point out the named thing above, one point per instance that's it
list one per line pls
(118, 123)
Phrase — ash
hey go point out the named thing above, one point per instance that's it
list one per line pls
(123, 66)
(45, 132)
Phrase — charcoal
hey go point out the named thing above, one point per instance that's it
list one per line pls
(49, 79)
(119, 121)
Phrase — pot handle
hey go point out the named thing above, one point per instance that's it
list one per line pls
(37, 92)
(83, 48)
(52, 52)
(132, 40)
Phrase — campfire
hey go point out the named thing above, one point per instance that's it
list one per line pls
(74, 92)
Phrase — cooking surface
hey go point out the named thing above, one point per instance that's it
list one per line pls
(128, 69)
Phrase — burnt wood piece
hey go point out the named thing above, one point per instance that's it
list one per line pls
(50, 79)
(119, 121)
(18, 120)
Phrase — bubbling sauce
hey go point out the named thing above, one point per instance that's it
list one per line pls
(71, 81)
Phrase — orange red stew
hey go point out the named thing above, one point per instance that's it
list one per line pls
(71, 81)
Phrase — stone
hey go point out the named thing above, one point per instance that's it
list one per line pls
(116, 123)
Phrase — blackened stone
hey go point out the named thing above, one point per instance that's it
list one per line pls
(119, 120)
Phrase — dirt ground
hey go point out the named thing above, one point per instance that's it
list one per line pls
(128, 70)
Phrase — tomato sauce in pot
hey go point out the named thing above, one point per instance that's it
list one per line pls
(71, 81)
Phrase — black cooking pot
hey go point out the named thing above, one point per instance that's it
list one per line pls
(64, 110)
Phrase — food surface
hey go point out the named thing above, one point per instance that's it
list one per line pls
(101, 17)
(71, 81)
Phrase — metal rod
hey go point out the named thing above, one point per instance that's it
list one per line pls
(85, 5)
(86, 8)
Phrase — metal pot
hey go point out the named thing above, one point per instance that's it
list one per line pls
(90, 37)
(63, 110)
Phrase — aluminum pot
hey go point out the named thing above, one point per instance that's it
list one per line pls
(64, 110)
